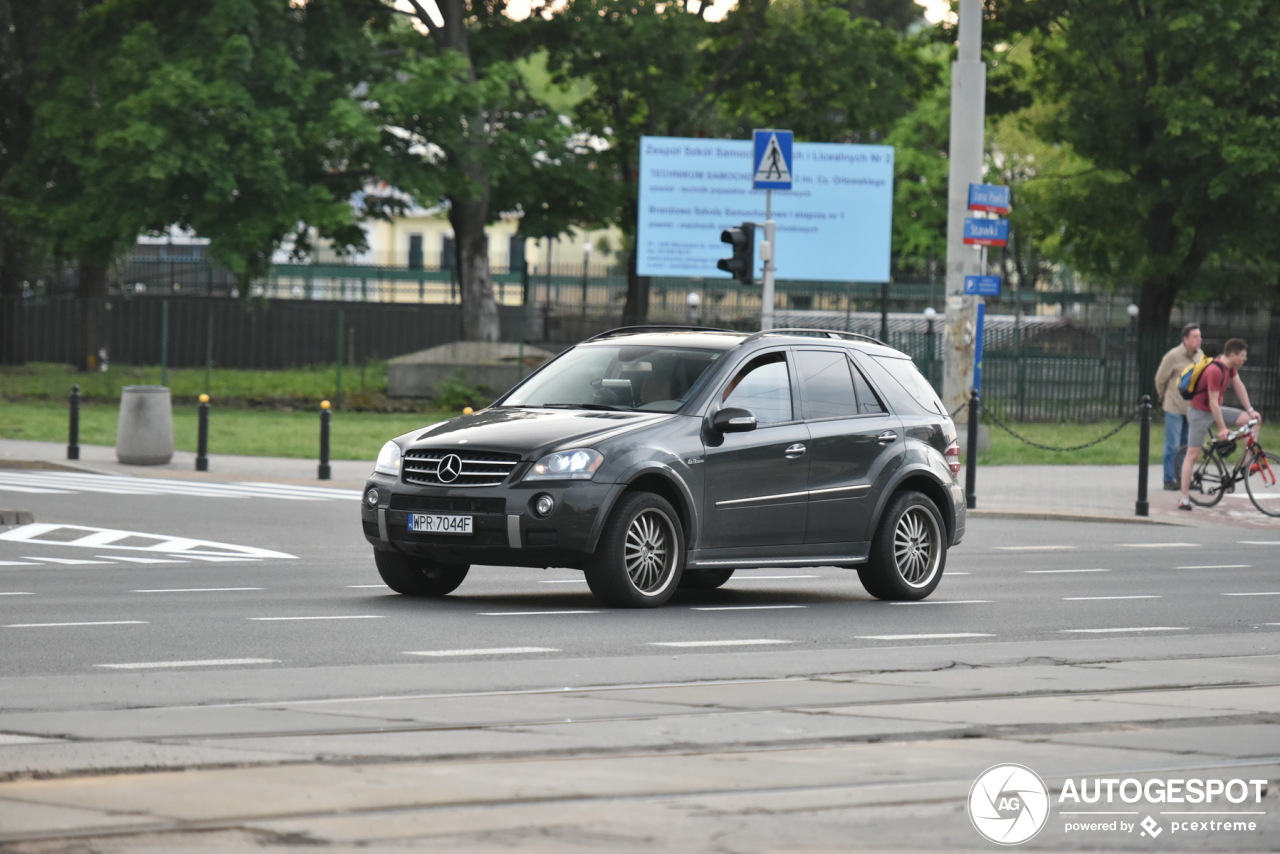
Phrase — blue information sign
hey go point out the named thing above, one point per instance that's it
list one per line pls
(993, 198)
(771, 160)
(986, 232)
(982, 286)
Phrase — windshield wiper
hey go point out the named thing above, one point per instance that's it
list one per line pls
(603, 406)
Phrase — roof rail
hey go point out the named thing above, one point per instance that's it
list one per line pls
(817, 333)
(627, 330)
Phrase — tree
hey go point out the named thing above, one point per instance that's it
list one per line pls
(1173, 106)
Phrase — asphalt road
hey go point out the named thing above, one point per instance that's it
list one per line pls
(152, 626)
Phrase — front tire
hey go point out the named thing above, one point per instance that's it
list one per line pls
(418, 576)
(1263, 482)
(640, 556)
(908, 551)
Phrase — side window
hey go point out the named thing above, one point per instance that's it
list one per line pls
(868, 403)
(827, 386)
(905, 373)
(762, 386)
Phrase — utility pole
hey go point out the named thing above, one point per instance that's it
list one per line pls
(968, 115)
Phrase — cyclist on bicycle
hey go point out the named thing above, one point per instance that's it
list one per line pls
(1207, 412)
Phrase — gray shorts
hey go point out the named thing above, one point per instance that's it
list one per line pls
(1199, 423)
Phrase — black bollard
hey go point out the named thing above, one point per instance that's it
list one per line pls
(73, 440)
(202, 434)
(971, 464)
(1142, 508)
(324, 440)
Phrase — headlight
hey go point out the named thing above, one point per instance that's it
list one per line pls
(388, 460)
(577, 464)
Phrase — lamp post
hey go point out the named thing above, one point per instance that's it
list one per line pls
(693, 300)
(1132, 311)
(929, 316)
(586, 259)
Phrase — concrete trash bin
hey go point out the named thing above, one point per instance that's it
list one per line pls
(144, 434)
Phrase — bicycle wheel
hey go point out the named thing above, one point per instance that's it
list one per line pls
(1261, 481)
(1208, 477)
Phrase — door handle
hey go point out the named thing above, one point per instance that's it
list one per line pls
(795, 451)
(888, 437)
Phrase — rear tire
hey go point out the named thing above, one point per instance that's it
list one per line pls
(908, 551)
(640, 556)
(704, 579)
(418, 576)
(1207, 477)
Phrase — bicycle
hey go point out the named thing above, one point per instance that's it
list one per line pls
(1213, 477)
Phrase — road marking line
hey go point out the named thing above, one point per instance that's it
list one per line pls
(338, 617)
(58, 625)
(212, 662)
(947, 602)
(17, 563)
(68, 561)
(1104, 598)
(146, 560)
(1265, 593)
(1259, 542)
(562, 581)
(80, 536)
(1158, 545)
(364, 586)
(1219, 566)
(748, 607)
(1053, 571)
(1129, 629)
(927, 637)
(531, 613)
(1034, 548)
(199, 589)
(510, 650)
(17, 593)
(753, 642)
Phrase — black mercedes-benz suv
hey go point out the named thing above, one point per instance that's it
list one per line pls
(653, 458)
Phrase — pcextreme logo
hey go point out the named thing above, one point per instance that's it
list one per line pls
(1009, 804)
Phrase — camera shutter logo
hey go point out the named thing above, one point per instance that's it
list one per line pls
(1009, 804)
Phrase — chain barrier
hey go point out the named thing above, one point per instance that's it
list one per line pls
(1006, 428)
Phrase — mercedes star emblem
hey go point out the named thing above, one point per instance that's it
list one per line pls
(450, 468)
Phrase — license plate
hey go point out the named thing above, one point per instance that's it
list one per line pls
(435, 523)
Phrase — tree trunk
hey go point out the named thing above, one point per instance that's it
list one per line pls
(91, 290)
(475, 279)
(636, 310)
(12, 269)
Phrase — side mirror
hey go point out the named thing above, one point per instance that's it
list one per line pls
(731, 419)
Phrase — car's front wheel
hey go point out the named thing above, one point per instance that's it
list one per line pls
(639, 558)
(908, 552)
(418, 576)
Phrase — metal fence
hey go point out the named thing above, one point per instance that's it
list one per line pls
(1035, 368)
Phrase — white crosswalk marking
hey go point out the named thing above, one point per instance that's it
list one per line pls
(79, 536)
(69, 483)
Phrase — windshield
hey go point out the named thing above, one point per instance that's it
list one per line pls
(614, 376)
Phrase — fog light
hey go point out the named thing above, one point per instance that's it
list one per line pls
(371, 497)
(543, 505)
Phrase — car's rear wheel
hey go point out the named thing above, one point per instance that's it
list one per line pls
(418, 576)
(704, 579)
(639, 558)
(908, 552)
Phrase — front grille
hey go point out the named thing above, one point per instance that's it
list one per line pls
(457, 468)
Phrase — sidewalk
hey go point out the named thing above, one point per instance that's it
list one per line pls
(1102, 493)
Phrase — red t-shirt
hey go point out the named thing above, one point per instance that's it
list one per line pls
(1212, 382)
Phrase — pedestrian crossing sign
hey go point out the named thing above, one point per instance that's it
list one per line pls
(772, 160)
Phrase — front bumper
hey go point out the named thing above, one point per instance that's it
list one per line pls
(506, 531)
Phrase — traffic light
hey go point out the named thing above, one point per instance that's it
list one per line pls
(743, 241)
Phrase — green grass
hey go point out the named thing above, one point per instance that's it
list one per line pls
(277, 413)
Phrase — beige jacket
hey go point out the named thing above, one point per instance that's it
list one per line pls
(1167, 379)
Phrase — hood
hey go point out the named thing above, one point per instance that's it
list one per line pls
(530, 432)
